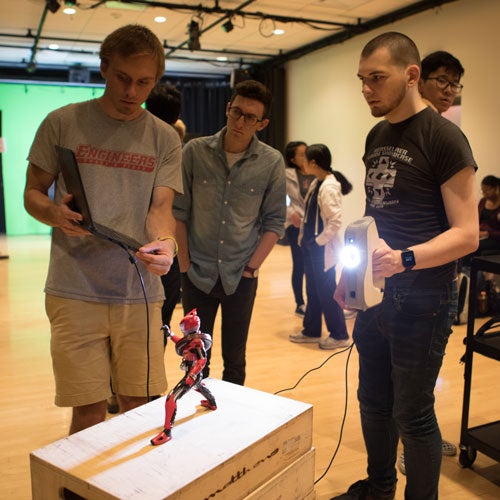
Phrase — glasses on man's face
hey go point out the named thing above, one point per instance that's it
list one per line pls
(442, 83)
(235, 113)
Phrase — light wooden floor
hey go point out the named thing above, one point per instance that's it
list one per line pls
(30, 420)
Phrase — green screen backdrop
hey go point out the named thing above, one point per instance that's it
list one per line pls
(24, 106)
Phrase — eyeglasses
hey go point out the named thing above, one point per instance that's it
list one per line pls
(442, 83)
(235, 113)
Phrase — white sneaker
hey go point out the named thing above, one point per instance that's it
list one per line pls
(331, 343)
(348, 314)
(448, 449)
(401, 463)
(300, 338)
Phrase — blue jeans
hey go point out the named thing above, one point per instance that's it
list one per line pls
(320, 287)
(401, 344)
(236, 315)
(292, 234)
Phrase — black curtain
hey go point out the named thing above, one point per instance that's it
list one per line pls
(204, 106)
(204, 103)
(274, 78)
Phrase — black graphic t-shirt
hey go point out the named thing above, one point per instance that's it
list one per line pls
(406, 165)
(304, 182)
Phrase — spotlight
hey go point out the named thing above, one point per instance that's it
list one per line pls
(228, 26)
(194, 36)
(350, 255)
(52, 5)
(361, 238)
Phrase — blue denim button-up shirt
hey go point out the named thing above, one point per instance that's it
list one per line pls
(227, 209)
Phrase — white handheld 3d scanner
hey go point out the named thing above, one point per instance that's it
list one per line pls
(361, 238)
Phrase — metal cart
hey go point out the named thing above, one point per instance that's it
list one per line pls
(484, 438)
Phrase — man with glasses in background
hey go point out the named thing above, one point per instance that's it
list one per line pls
(229, 218)
(440, 84)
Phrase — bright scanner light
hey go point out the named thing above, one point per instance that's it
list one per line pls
(350, 256)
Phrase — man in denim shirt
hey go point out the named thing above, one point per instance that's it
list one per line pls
(229, 218)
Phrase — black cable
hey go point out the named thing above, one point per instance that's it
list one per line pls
(346, 401)
(343, 416)
(133, 261)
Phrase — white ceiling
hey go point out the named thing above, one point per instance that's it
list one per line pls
(78, 36)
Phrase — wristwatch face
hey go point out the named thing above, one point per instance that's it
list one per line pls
(408, 259)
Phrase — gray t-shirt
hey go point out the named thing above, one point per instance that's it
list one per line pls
(121, 162)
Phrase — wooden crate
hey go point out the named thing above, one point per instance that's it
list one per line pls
(224, 454)
(296, 482)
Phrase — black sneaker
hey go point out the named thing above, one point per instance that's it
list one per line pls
(300, 311)
(363, 490)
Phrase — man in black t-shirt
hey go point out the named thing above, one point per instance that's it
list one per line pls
(420, 189)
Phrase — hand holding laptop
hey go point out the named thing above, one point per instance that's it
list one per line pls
(71, 221)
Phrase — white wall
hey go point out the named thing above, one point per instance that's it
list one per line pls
(325, 102)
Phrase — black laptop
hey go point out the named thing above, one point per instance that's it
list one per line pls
(74, 185)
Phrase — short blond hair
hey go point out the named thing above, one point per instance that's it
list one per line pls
(131, 40)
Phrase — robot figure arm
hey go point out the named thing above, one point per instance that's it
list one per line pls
(196, 368)
(169, 334)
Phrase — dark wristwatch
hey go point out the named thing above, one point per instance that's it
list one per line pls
(251, 270)
(408, 259)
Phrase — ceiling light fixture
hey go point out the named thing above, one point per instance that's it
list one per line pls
(115, 4)
(69, 11)
(160, 19)
(228, 26)
(267, 25)
(194, 36)
(52, 5)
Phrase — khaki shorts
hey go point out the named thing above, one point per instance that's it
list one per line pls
(92, 342)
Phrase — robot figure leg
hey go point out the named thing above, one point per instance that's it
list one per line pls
(210, 401)
(164, 436)
(170, 411)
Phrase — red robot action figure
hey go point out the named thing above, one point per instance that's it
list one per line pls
(193, 348)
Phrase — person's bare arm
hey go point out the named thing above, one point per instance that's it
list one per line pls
(40, 206)
(158, 254)
(182, 239)
(459, 197)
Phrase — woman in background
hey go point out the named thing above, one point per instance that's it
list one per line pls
(320, 241)
(489, 216)
(297, 185)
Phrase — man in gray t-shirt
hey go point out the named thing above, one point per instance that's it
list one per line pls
(129, 161)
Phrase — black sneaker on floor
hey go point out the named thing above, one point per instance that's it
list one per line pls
(300, 311)
(363, 490)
